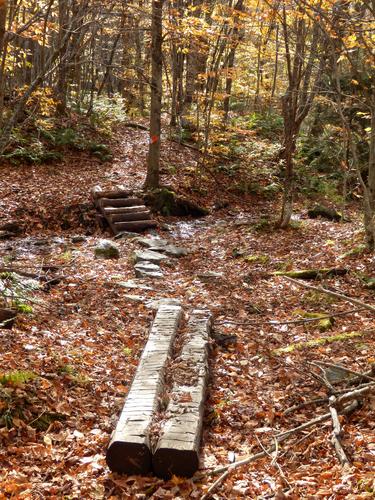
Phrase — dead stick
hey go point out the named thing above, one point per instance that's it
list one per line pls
(316, 401)
(357, 393)
(293, 321)
(227, 469)
(333, 294)
(336, 432)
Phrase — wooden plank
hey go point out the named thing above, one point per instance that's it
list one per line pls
(97, 193)
(120, 202)
(133, 226)
(177, 451)
(129, 449)
(124, 210)
(135, 216)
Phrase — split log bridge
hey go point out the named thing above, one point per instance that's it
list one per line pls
(177, 447)
(121, 211)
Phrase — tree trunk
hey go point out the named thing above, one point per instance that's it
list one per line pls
(153, 160)
(3, 18)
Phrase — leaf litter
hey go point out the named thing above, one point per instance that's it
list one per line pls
(85, 347)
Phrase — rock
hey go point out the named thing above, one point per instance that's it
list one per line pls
(155, 304)
(106, 249)
(134, 298)
(167, 202)
(6, 235)
(126, 235)
(210, 276)
(370, 283)
(147, 270)
(326, 212)
(7, 318)
(133, 284)
(153, 242)
(160, 245)
(11, 227)
(174, 251)
(149, 255)
(78, 239)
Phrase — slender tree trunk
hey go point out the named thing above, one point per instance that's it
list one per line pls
(61, 87)
(153, 160)
(3, 48)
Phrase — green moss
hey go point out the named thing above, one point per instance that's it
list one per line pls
(257, 259)
(323, 325)
(317, 342)
(310, 274)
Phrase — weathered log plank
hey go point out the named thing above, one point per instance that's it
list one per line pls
(177, 451)
(120, 202)
(125, 210)
(97, 193)
(132, 217)
(133, 226)
(129, 449)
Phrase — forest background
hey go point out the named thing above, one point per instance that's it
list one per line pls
(301, 73)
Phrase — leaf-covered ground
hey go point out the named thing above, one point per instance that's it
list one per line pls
(79, 348)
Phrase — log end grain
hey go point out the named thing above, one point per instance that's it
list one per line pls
(129, 457)
(169, 461)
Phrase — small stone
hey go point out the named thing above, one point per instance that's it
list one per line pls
(174, 251)
(149, 256)
(133, 284)
(78, 239)
(210, 276)
(126, 235)
(106, 249)
(147, 270)
(155, 304)
(134, 298)
(153, 242)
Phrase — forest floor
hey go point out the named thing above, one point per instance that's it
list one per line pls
(84, 337)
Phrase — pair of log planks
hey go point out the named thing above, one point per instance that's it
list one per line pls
(121, 211)
(176, 451)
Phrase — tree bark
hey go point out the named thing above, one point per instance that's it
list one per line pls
(153, 160)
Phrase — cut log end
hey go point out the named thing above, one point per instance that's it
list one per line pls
(167, 462)
(129, 458)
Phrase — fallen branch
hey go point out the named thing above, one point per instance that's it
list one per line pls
(336, 432)
(333, 294)
(316, 401)
(293, 321)
(347, 370)
(19, 272)
(227, 469)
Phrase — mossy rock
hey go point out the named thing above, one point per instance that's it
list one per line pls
(167, 202)
(325, 212)
(369, 283)
(324, 323)
(106, 249)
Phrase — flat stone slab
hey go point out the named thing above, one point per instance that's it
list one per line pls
(134, 298)
(150, 256)
(210, 276)
(155, 304)
(129, 450)
(146, 269)
(133, 284)
(163, 246)
(177, 451)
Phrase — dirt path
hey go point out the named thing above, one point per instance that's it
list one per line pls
(85, 338)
